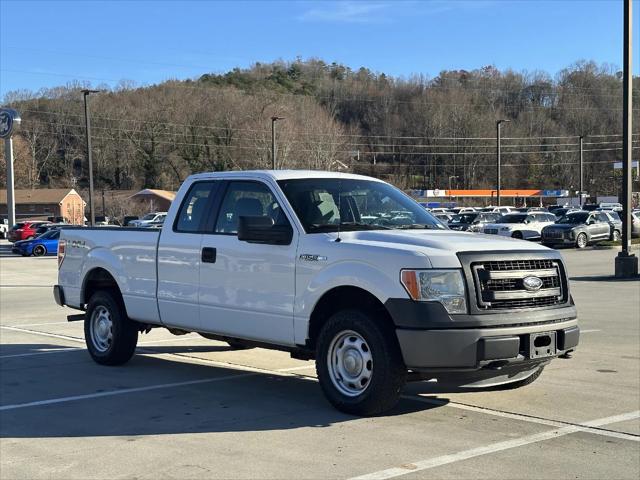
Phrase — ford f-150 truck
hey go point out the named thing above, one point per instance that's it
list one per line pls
(340, 268)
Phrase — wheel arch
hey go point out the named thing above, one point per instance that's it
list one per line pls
(98, 278)
(342, 298)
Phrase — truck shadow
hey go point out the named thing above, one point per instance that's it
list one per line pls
(217, 400)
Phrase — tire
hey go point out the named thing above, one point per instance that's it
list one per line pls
(374, 356)
(520, 383)
(234, 344)
(615, 236)
(39, 251)
(110, 336)
(581, 240)
(517, 235)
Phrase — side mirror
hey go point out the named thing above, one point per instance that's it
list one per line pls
(263, 230)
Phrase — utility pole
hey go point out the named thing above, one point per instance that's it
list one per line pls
(86, 93)
(581, 187)
(273, 140)
(498, 179)
(626, 264)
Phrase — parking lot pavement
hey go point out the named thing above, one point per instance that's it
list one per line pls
(187, 407)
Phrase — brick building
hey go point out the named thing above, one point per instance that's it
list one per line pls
(46, 202)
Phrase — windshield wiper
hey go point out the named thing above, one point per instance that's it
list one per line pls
(418, 226)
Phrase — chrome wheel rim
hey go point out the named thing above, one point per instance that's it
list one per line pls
(38, 251)
(350, 363)
(101, 329)
(616, 236)
(582, 240)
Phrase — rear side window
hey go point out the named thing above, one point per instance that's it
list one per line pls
(603, 217)
(247, 199)
(194, 208)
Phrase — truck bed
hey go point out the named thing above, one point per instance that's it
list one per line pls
(128, 254)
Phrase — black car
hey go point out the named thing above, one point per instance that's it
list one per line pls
(577, 228)
(473, 222)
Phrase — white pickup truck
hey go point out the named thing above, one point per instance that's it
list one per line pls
(340, 268)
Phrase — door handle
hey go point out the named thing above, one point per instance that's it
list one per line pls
(208, 255)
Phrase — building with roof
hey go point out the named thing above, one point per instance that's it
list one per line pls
(155, 200)
(44, 203)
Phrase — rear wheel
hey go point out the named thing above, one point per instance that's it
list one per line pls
(359, 364)
(39, 251)
(581, 240)
(111, 337)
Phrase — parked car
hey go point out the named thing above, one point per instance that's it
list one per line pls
(473, 222)
(635, 223)
(148, 218)
(615, 223)
(445, 217)
(615, 206)
(282, 259)
(527, 226)
(4, 227)
(460, 210)
(578, 228)
(128, 218)
(561, 212)
(48, 226)
(25, 230)
(104, 221)
(45, 244)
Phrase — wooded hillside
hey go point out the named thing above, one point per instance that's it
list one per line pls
(417, 132)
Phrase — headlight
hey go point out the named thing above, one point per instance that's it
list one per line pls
(444, 286)
(504, 228)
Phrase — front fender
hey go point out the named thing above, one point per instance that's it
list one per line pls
(381, 284)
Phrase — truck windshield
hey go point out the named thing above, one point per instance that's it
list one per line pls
(329, 204)
(510, 218)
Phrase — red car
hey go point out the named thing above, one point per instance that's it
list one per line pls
(24, 230)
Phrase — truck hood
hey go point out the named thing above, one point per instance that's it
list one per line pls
(563, 226)
(440, 246)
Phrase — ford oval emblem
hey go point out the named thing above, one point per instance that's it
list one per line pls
(533, 284)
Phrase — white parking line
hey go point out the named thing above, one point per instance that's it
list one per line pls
(492, 448)
(40, 324)
(591, 330)
(48, 352)
(522, 418)
(43, 334)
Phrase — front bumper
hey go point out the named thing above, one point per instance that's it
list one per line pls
(433, 340)
(474, 349)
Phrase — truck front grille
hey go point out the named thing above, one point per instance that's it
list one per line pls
(491, 231)
(500, 284)
(552, 234)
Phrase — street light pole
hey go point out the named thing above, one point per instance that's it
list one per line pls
(85, 94)
(581, 187)
(626, 264)
(498, 179)
(273, 140)
(450, 177)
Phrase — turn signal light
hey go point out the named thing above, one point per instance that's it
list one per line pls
(62, 244)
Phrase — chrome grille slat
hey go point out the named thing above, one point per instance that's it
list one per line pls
(500, 283)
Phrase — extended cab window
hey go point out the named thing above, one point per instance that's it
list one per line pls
(194, 207)
(247, 199)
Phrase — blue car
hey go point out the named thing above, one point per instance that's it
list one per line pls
(45, 244)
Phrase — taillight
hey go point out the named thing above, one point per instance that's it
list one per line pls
(62, 244)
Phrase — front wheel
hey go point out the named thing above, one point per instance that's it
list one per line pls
(111, 337)
(615, 236)
(517, 235)
(581, 240)
(359, 364)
